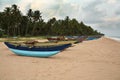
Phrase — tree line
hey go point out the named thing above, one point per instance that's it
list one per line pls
(14, 23)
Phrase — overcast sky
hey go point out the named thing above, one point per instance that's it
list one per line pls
(103, 15)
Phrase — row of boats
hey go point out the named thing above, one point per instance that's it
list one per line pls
(46, 50)
(76, 38)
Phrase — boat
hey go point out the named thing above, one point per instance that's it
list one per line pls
(53, 39)
(80, 39)
(56, 39)
(94, 37)
(72, 37)
(37, 51)
(91, 38)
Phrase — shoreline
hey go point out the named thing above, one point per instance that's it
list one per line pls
(114, 38)
(90, 60)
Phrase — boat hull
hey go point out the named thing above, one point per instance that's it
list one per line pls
(52, 48)
(34, 53)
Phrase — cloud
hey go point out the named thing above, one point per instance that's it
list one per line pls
(118, 13)
(111, 1)
(93, 13)
(52, 8)
(112, 19)
(7, 3)
(103, 15)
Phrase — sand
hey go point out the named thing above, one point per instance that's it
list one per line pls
(89, 60)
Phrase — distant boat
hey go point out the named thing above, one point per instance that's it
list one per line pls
(55, 39)
(37, 51)
(93, 37)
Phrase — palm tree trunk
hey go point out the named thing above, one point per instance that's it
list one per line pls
(33, 30)
(26, 31)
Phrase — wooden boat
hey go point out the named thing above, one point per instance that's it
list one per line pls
(37, 51)
(80, 39)
(72, 37)
(55, 39)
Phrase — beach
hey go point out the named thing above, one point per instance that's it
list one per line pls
(90, 60)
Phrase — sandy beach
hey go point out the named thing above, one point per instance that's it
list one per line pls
(89, 60)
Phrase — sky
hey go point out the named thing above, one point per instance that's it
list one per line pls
(102, 15)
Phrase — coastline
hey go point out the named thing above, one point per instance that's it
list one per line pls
(114, 38)
(90, 60)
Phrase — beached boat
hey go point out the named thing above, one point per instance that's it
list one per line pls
(37, 51)
(55, 39)
(91, 38)
(77, 39)
(94, 37)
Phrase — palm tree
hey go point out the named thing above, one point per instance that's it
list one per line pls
(37, 18)
(16, 14)
(24, 23)
(29, 15)
(37, 15)
(50, 26)
(1, 21)
(67, 25)
(7, 20)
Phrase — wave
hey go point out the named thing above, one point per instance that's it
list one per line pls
(117, 38)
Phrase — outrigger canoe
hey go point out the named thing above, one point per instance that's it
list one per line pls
(37, 51)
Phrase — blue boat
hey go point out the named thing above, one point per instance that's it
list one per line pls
(91, 38)
(94, 37)
(37, 51)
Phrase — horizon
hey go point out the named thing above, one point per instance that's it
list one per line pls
(94, 13)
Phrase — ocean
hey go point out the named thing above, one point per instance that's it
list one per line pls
(117, 38)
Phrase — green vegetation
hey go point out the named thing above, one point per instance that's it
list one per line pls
(14, 23)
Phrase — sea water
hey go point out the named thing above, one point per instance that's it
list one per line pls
(117, 38)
